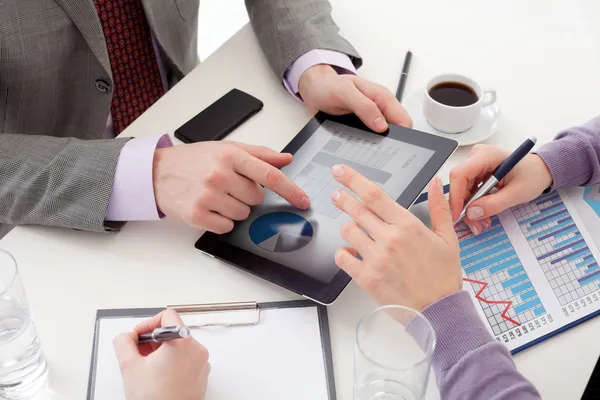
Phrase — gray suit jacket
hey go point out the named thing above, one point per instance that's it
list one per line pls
(56, 90)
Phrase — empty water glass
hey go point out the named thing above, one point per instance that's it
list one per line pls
(394, 345)
(23, 367)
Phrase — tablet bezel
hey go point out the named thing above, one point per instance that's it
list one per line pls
(326, 293)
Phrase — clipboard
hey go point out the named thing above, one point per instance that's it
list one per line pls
(234, 320)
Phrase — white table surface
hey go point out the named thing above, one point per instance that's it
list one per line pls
(540, 55)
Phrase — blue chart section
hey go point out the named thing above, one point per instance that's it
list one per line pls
(280, 232)
(563, 254)
(592, 197)
(498, 278)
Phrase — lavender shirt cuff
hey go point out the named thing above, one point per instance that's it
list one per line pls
(339, 61)
(132, 197)
(458, 328)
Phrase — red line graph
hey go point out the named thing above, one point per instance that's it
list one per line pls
(463, 232)
(505, 302)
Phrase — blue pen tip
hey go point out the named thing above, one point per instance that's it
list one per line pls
(533, 139)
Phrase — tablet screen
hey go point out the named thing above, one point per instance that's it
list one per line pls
(306, 240)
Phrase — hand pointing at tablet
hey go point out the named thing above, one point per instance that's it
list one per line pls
(212, 184)
(403, 262)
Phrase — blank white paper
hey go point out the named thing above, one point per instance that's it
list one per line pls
(281, 358)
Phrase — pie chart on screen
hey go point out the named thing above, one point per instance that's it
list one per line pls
(280, 232)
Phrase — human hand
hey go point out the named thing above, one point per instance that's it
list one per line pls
(323, 89)
(172, 370)
(209, 185)
(527, 180)
(403, 262)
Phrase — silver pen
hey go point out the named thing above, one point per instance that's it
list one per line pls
(499, 174)
(163, 334)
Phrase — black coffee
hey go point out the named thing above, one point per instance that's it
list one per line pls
(453, 94)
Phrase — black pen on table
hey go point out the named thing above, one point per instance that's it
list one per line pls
(403, 75)
(499, 174)
(163, 334)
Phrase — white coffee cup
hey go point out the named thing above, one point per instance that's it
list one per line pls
(452, 119)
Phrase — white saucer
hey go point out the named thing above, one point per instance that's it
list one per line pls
(484, 128)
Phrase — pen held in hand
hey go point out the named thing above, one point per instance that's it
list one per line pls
(499, 174)
(163, 334)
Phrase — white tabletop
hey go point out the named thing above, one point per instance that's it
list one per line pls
(540, 55)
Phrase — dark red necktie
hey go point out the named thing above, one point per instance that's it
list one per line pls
(137, 81)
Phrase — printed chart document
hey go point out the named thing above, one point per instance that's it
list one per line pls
(536, 271)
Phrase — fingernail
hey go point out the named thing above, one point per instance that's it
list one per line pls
(305, 202)
(338, 171)
(335, 195)
(475, 212)
(380, 123)
(485, 224)
(474, 230)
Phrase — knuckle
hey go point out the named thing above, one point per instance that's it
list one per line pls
(480, 147)
(411, 226)
(443, 206)
(206, 198)
(368, 106)
(244, 213)
(225, 228)
(215, 177)
(347, 229)
(477, 148)
(340, 258)
(198, 215)
(370, 283)
(259, 196)
(358, 211)
(229, 154)
(390, 245)
(273, 177)
(373, 195)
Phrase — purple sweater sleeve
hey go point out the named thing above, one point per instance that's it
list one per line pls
(467, 361)
(573, 158)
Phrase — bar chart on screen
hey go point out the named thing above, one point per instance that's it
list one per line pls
(496, 275)
(559, 247)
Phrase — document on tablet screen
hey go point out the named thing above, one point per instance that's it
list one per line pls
(306, 240)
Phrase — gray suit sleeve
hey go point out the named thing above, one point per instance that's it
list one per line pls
(62, 182)
(288, 29)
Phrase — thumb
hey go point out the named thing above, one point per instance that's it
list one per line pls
(126, 348)
(266, 154)
(439, 209)
(365, 109)
(385, 101)
(493, 204)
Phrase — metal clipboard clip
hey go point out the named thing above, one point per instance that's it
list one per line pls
(219, 307)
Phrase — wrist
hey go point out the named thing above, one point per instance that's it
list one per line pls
(542, 175)
(159, 155)
(313, 74)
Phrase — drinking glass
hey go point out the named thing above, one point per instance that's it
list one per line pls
(23, 367)
(394, 345)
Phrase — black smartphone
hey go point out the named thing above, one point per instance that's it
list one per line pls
(220, 118)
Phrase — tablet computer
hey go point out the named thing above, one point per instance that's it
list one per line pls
(295, 248)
